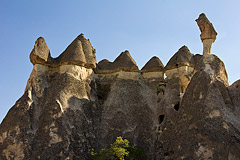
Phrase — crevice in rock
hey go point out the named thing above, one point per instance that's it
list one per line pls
(176, 107)
(161, 118)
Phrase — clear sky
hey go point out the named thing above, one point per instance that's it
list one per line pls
(144, 27)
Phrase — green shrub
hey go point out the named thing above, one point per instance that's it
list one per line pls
(121, 149)
(159, 89)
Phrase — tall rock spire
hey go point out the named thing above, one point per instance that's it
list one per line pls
(208, 33)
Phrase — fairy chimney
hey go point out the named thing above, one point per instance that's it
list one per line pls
(208, 33)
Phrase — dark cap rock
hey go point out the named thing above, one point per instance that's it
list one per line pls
(73, 54)
(206, 28)
(104, 66)
(153, 65)
(40, 53)
(88, 52)
(125, 62)
(181, 58)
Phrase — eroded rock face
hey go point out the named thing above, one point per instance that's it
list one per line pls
(69, 108)
(204, 126)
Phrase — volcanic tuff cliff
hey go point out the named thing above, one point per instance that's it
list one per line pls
(71, 105)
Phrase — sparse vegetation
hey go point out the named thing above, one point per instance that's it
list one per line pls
(121, 149)
(160, 89)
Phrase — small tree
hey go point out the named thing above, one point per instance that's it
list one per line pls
(121, 149)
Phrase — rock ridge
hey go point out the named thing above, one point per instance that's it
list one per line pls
(80, 52)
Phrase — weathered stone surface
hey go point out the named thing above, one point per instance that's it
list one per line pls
(206, 28)
(234, 91)
(40, 53)
(211, 64)
(125, 62)
(79, 52)
(55, 118)
(204, 126)
(181, 58)
(73, 54)
(104, 66)
(154, 64)
(89, 52)
(68, 109)
(208, 33)
(180, 67)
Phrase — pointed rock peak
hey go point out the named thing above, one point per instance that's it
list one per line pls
(125, 62)
(40, 53)
(82, 35)
(184, 48)
(202, 16)
(125, 56)
(89, 51)
(181, 58)
(73, 54)
(153, 65)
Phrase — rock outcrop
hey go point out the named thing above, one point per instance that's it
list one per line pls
(153, 65)
(179, 67)
(73, 54)
(181, 58)
(153, 69)
(71, 106)
(208, 33)
(40, 53)
(124, 62)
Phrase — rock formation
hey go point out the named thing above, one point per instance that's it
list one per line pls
(153, 69)
(40, 53)
(180, 67)
(71, 106)
(208, 33)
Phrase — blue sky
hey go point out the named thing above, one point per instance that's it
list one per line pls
(145, 28)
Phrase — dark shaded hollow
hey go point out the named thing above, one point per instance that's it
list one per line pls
(161, 118)
(176, 107)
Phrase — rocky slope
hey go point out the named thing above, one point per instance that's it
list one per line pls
(72, 105)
